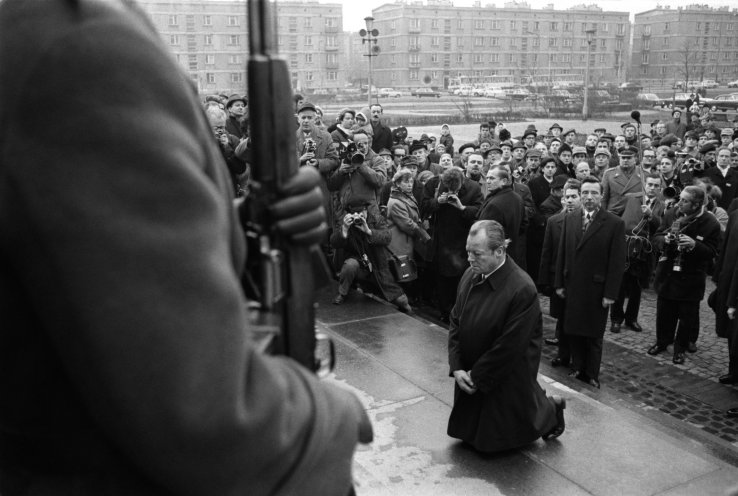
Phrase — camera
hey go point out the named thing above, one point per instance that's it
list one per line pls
(350, 154)
(309, 146)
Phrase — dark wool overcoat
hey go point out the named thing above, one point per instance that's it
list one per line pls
(590, 267)
(549, 254)
(506, 207)
(725, 267)
(496, 333)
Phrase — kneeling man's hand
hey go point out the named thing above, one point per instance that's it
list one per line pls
(464, 380)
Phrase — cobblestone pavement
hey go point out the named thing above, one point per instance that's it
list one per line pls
(688, 393)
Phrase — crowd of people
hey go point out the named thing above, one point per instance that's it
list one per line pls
(655, 206)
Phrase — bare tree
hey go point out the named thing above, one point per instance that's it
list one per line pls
(688, 58)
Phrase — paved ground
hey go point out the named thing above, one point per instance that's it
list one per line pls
(617, 441)
(689, 393)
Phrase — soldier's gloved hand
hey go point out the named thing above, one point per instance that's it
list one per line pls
(300, 214)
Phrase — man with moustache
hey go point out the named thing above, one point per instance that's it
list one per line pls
(724, 177)
(547, 271)
(589, 270)
(494, 348)
(474, 171)
(381, 134)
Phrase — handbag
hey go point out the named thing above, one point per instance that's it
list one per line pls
(403, 268)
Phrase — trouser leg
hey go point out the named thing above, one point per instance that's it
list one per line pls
(616, 309)
(689, 320)
(667, 317)
(733, 352)
(577, 347)
(564, 347)
(633, 292)
(593, 357)
(347, 276)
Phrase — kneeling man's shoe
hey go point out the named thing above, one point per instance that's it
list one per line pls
(678, 357)
(402, 304)
(615, 327)
(338, 300)
(558, 362)
(551, 341)
(727, 379)
(656, 349)
(732, 412)
(594, 383)
(635, 326)
(560, 404)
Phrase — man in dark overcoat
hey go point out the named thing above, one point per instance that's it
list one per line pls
(505, 206)
(688, 238)
(547, 272)
(723, 275)
(589, 270)
(381, 134)
(494, 350)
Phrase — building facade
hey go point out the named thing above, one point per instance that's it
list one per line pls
(435, 43)
(209, 38)
(692, 44)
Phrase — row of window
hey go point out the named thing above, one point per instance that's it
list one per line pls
(668, 41)
(481, 24)
(669, 70)
(234, 21)
(494, 41)
(679, 57)
(716, 26)
(331, 41)
(414, 59)
(237, 77)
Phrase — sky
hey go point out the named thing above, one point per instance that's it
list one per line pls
(354, 11)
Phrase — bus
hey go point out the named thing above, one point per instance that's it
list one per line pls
(554, 81)
(481, 82)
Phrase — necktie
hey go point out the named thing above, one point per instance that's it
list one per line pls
(587, 221)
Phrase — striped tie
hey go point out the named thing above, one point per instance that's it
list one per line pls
(587, 221)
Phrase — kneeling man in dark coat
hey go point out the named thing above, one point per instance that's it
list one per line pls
(494, 350)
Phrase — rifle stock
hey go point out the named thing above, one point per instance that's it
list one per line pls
(287, 285)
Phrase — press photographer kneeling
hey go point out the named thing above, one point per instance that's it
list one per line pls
(364, 237)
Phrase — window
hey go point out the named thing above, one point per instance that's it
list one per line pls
(566, 58)
(308, 58)
(332, 76)
(554, 26)
(434, 75)
(415, 23)
(644, 70)
(552, 58)
(644, 58)
(234, 59)
(331, 59)
(478, 58)
(726, 55)
(435, 41)
(621, 28)
(434, 23)
(393, 60)
(414, 42)
(174, 40)
(293, 60)
(308, 76)
(647, 30)
(605, 27)
(207, 20)
(646, 44)
(413, 76)
(536, 41)
(511, 58)
(236, 77)
(459, 58)
(331, 41)
(512, 25)
(567, 42)
(715, 41)
(495, 57)
(331, 22)
(602, 58)
(478, 41)
(459, 24)
(233, 20)
(208, 39)
(666, 27)
(308, 22)
(662, 70)
(434, 58)
(619, 44)
(393, 43)
(603, 43)
(552, 42)
(496, 24)
(392, 25)
(479, 24)
(210, 78)
(460, 42)
(234, 40)
(536, 25)
(414, 59)
(568, 26)
(666, 41)
(394, 76)
(513, 42)
(664, 56)
(494, 41)
(173, 20)
(210, 59)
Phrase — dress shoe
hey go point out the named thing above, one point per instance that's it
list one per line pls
(732, 412)
(403, 304)
(558, 362)
(560, 404)
(552, 341)
(656, 349)
(594, 383)
(678, 357)
(339, 299)
(615, 327)
(635, 326)
(728, 379)
(691, 347)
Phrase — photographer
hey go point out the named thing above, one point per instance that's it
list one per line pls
(359, 177)
(363, 238)
(227, 144)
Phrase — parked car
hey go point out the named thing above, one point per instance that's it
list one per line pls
(429, 92)
(630, 85)
(498, 93)
(733, 84)
(722, 102)
(648, 99)
(390, 93)
(679, 100)
(710, 83)
(518, 93)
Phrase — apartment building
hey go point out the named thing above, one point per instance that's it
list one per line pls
(209, 39)
(433, 43)
(693, 43)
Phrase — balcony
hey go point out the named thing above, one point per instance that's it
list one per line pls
(412, 29)
(331, 29)
(331, 48)
(414, 63)
(414, 48)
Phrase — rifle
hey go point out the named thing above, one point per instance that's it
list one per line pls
(286, 279)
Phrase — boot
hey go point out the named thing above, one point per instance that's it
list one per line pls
(402, 304)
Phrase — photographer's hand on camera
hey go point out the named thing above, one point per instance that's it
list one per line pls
(686, 243)
(454, 201)
(308, 159)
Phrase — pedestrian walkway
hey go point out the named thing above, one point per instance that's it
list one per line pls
(613, 444)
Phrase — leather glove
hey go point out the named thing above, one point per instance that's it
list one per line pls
(300, 214)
